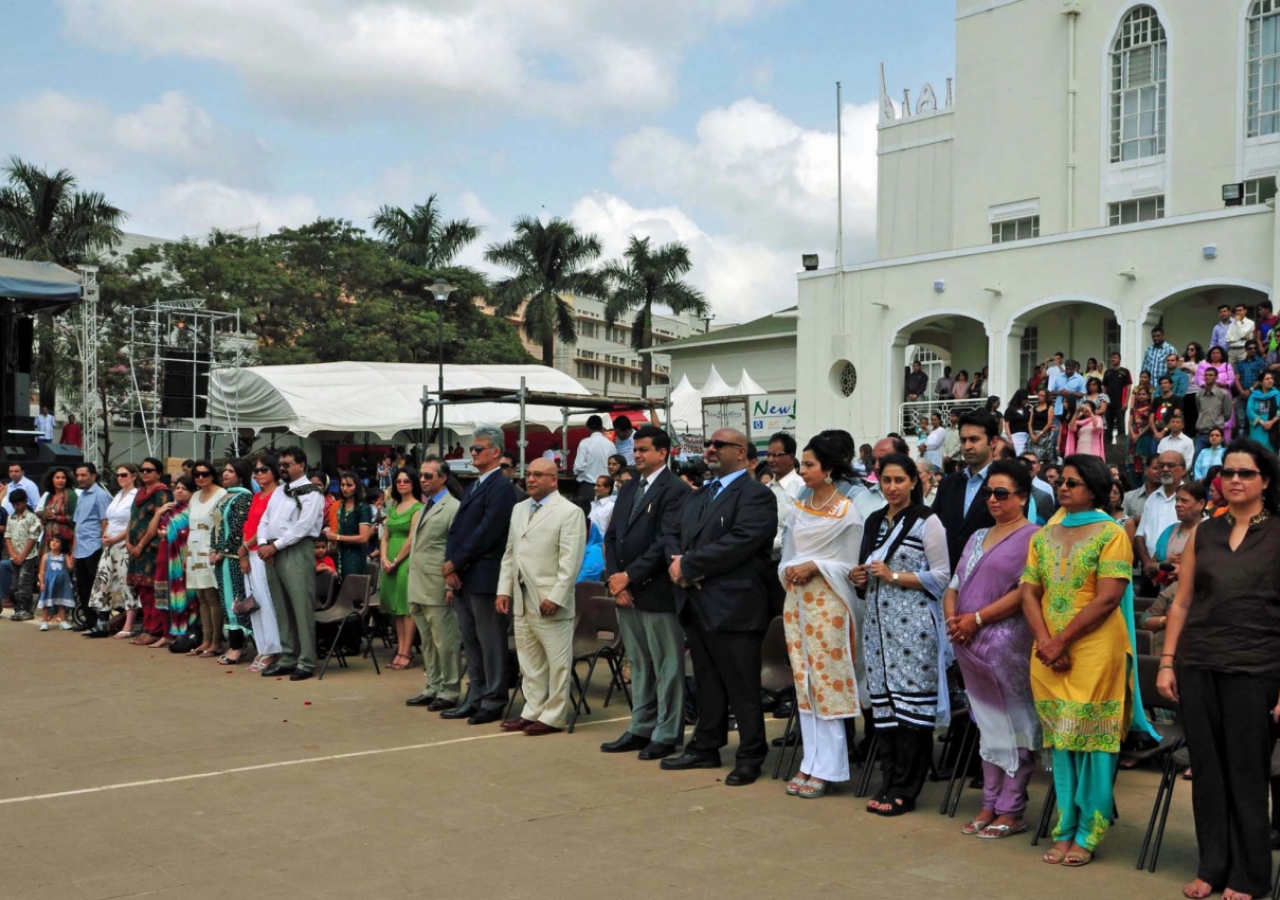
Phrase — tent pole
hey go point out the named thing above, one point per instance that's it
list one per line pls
(522, 411)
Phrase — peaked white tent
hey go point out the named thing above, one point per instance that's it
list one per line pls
(379, 398)
(716, 386)
(686, 407)
(748, 386)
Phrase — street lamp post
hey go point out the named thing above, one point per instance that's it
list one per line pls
(441, 289)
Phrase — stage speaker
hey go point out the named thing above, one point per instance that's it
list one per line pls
(185, 377)
(24, 343)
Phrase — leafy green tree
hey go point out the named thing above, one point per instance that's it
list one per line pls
(45, 218)
(421, 236)
(550, 262)
(643, 278)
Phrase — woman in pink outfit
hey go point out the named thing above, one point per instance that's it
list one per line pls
(1085, 431)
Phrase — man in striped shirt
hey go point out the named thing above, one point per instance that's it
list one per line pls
(1155, 360)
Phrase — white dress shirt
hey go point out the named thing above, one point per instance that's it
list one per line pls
(33, 494)
(1158, 514)
(786, 491)
(602, 512)
(284, 523)
(44, 425)
(592, 457)
(1182, 443)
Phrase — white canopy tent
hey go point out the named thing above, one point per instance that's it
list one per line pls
(747, 386)
(686, 408)
(716, 386)
(379, 398)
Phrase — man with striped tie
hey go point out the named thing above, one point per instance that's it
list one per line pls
(645, 517)
(720, 565)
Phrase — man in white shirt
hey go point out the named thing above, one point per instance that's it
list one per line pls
(18, 479)
(602, 505)
(624, 438)
(787, 483)
(1239, 331)
(1176, 440)
(293, 519)
(45, 423)
(1159, 512)
(591, 460)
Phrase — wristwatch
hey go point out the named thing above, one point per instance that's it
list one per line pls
(895, 577)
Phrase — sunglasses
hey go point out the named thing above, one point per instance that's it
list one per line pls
(719, 445)
(1002, 494)
(1069, 483)
(476, 448)
(203, 474)
(260, 470)
(404, 480)
(124, 474)
(1242, 474)
(505, 466)
(148, 469)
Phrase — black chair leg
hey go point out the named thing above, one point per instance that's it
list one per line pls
(1046, 815)
(1155, 813)
(333, 646)
(957, 764)
(582, 693)
(519, 687)
(969, 746)
(1275, 890)
(864, 783)
(782, 751)
(1172, 779)
(793, 726)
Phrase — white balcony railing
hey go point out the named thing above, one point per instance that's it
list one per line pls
(913, 418)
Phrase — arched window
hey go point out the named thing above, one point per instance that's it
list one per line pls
(1138, 69)
(1263, 97)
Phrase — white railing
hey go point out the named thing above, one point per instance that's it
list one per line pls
(913, 418)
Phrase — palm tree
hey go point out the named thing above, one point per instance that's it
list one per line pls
(44, 218)
(549, 261)
(642, 279)
(422, 237)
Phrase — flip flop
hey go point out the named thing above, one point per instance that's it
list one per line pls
(998, 832)
(976, 825)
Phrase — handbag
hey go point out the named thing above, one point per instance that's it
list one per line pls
(244, 607)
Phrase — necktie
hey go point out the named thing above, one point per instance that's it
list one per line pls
(430, 503)
(637, 502)
(533, 511)
(712, 491)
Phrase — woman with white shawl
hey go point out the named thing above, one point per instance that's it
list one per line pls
(819, 549)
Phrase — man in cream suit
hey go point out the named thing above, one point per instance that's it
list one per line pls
(431, 603)
(544, 553)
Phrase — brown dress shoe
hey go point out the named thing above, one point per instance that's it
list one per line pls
(515, 724)
(533, 729)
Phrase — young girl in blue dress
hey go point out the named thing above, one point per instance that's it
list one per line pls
(55, 585)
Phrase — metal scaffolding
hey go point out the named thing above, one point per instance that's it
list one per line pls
(90, 406)
(182, 338)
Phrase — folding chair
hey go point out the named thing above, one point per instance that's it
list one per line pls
(777, 676)
(344, 613)
(596, 636)
(326, 583)
(518, 687)
(961, 761)
(1144, 643)
(868, 767)
(1172, 740)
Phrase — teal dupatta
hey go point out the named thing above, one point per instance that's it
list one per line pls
(1139, 720)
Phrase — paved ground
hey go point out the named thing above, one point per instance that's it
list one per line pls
(204, 800)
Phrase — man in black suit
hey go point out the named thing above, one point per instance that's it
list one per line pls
(720, 564)
(473, 559)
(961, 503)
(646, 516)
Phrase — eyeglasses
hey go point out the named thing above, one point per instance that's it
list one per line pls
(260, 470)
(771, 455)
(124, 473)
(1242, 474)
(505, 466)
(404, 481)
(1070, 483)
(146, 469)
(1003, 494)
(719, 445)
(1169, 466)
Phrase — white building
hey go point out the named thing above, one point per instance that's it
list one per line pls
(1071, 198)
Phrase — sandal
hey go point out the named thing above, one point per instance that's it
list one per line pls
(208, 654)
(226, 660)
(121, 635)
(998, 832)
(813, 789)
(1077, 858)
(976, 825)
(901, 806)
(1055, 856)
(795, 784)
(161, 644)
(392, 664)
(881, 798)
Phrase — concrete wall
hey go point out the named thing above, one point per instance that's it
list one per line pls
(771, 362)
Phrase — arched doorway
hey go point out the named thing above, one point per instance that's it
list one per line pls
(941, 340)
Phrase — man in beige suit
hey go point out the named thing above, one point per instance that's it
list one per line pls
(430, 600)
(544, 553)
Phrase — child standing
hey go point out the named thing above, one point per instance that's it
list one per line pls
(55, 585)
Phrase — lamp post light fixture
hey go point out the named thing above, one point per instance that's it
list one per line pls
(440, 289)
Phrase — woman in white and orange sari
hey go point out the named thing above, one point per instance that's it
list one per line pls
(819, 548)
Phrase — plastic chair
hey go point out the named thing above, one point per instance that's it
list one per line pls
(776, 677)
(326, 582)
(596, 636)
(345, 614)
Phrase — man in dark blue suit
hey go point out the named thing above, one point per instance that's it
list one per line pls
(473, 559)
(720, 565)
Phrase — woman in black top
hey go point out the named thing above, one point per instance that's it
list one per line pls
(1220, 662)
(1042, 428)
(1017, 421)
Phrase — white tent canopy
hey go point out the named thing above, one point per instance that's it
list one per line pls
(715, 386)
(686, 408)
(379, 398)
(747, 386)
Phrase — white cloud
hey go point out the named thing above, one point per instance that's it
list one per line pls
(763, 175)
(741, 278)
(197, 206)
(568, 58)
(172, 134)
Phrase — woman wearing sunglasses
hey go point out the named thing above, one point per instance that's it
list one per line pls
(1220, 663)
(111, 590)
(141, 545)
(262, 616)
(992, 644)
(1077, 599)
(393, 590)
(201, 577)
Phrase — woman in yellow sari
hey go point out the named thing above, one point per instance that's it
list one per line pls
(1077, 599)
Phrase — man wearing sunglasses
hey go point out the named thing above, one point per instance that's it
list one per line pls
(720, 563)
(473, 561)
(1159, 513)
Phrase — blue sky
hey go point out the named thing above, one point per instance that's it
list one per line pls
(706, 121)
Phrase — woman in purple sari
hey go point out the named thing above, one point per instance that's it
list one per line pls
(993, 649)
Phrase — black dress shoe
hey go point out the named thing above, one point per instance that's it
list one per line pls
(783, 710)
(421, 700)
(439, 705)
(300, 675)
(628, 743)
(98, 634)
(657, 750)
(691, 760)
(484, 717)
(742, 775)
(789, 740)
(275, 670)
(459, 712)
